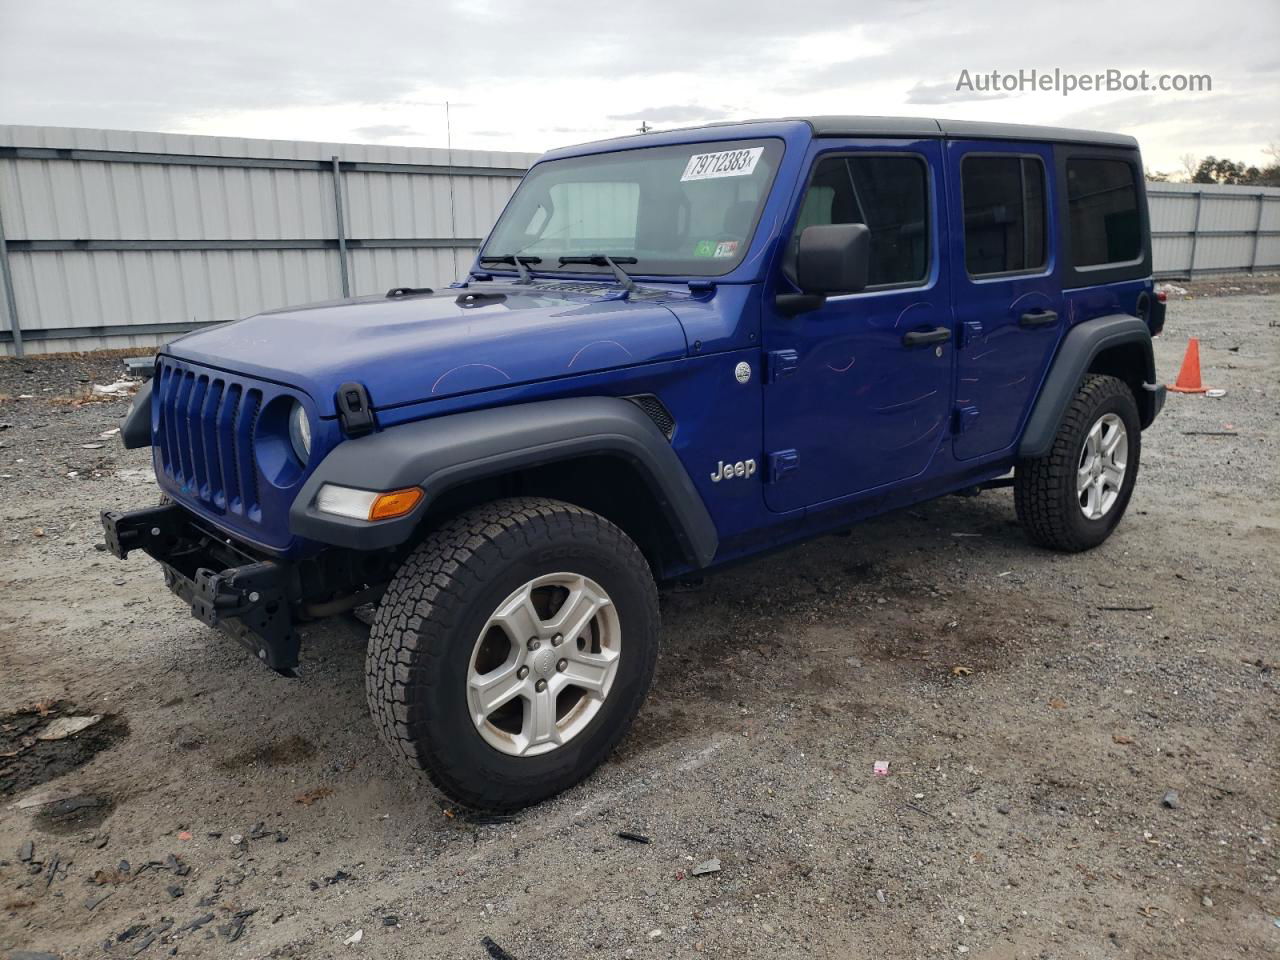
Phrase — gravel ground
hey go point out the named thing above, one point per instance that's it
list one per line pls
(1035, 709)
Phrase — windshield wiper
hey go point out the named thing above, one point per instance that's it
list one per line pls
(517, 262)
(604, 260)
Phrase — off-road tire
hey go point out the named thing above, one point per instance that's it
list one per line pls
(433, 612)
(1044, 490)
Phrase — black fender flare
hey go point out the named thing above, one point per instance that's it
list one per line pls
(1082, 344)
(441, 453)
(135, 432)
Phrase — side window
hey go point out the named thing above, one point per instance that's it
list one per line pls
(890, 194)
(1004, 214)
(1102, 204)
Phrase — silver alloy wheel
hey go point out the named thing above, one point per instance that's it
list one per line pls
(1102, 465)
(544, 663)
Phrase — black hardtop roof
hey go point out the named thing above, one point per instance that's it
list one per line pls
(959, 129)
(852, 126)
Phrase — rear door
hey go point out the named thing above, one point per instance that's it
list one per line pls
(1005, 288)
(859, 390)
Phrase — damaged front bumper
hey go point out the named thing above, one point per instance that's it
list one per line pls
(249, 598)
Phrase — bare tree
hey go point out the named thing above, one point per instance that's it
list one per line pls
(1190, 164)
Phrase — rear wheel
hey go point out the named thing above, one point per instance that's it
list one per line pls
(1073, 497)
(512, 651)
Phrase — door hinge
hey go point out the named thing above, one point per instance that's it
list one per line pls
(970, 331)
(782, 462)
(782, 363)
(962, 419)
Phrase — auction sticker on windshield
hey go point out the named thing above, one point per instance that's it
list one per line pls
(727, 163)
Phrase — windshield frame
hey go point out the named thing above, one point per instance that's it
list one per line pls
(775, 147)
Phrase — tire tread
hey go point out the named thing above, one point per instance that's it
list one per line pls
(426, 601)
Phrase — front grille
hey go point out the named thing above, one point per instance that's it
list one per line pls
(205, 438)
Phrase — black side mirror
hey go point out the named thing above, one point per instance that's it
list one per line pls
(832, 258)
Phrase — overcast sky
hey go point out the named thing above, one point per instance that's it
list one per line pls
(529, 76)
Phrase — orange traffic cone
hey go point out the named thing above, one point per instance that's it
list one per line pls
(1189, 375)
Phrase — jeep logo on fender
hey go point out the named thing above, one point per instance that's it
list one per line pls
(727, 471)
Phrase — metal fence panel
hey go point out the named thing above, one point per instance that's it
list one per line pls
(116, 238)
(1210, 228)
(124, 239)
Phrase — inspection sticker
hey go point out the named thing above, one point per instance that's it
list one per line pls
(727, 163)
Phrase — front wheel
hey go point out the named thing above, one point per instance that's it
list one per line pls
(1073, 497)
(512, 651)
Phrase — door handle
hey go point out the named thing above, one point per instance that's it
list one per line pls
(921, 338)
(1038, 318)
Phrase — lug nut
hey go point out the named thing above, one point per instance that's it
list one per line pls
(557, 640)
(522, 673)
(540, 685)
(562, 666)
(533, 643)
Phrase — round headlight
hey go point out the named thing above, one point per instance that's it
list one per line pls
(300, 432)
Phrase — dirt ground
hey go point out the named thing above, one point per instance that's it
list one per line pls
(1035, 709)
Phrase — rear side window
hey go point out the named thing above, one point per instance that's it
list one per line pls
(890, 194)
(1004, 214)
(1102, 204)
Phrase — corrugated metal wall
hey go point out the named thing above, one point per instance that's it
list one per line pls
(1205, 228)
(119, 239)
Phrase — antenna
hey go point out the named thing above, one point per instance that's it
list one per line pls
(644, 127)
(453, 216)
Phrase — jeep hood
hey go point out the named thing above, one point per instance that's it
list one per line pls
(454, 341)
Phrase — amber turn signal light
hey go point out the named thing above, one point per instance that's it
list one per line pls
(395, 503)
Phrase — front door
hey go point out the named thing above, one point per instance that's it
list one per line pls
(1008, 299)
(859, 391)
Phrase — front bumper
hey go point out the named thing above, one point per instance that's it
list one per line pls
(246, 597)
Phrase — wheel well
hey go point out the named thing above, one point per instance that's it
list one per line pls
(1128, 362)
(606, 484)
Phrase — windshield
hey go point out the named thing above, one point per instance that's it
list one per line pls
(687, 210)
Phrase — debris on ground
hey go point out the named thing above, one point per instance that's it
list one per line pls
(880, 768)
(1170, 800)
(706, 867)
(233, 929)
(633, 837)
(121, 388)
(495, 952)
(195, 924)
(311, 796)
(64, 727)
(354, 938)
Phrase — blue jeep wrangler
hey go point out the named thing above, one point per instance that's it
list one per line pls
(674, 351)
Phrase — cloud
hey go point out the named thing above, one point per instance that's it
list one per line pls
(544, 73)
(384, 131)
(947, 93)
(672, 114)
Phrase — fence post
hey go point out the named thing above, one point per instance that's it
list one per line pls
(1195, 235)
(11, 302)
(342, 232)
(1257, 232)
